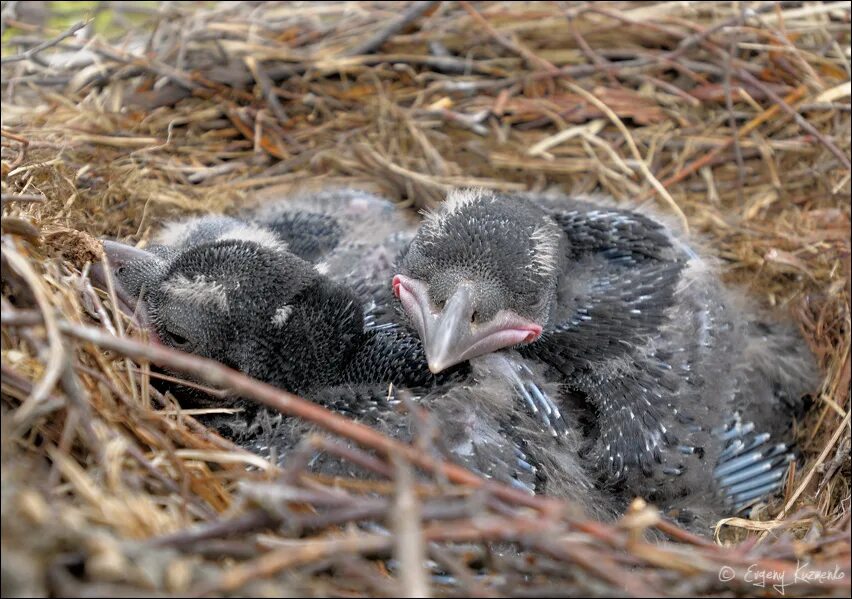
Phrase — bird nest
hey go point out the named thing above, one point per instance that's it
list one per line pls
(734, 117)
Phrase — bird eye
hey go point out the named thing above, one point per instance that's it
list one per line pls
(176, 340)
(119, 270)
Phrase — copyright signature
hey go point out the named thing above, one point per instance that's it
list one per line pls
(779, 580)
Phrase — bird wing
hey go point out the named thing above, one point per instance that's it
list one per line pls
(606, 309)
(640, 331)
(590, 227)
(617, 281)
(309, 235)
(317, 226)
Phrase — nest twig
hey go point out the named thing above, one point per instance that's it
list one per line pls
(735, 118)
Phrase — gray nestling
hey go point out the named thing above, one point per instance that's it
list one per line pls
(258, 308)
(633, 321)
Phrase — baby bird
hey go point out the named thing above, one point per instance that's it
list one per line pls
(260, 309)
(370, 235)
(683, 382)
(248, 263)
(242, 303)
(352, 236)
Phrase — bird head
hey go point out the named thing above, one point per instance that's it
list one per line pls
(480, 275)
(251, 306)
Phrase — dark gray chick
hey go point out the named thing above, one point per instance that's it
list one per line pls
(364, 237)
(248, 305)
(351, 235)
(633, 321)
(265, 312)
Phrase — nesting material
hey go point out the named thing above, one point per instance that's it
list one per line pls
(732, 117)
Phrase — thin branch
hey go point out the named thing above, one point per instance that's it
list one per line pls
(21, 197)
(218, 375)
(800, 120)
(268, 88)
(45, 45)
(408, 537)
(526, 53)
(761, 118)
(414, 12)
(732, 119)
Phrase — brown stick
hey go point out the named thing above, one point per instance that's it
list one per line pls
(525, 52)
(414, 12)
(217, 375)
(44, 45)
(21, 197)
(710, 156)
(800, 120)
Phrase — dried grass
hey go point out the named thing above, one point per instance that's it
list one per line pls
(733, 116)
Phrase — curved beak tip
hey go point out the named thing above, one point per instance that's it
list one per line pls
(439, 361)
(436, 367)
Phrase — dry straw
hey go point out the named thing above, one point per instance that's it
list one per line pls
(732, 116)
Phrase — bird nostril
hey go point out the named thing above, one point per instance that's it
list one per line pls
(474, 317)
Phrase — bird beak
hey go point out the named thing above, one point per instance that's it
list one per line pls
(449, 335)
(117, 255)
